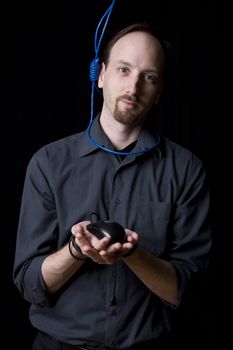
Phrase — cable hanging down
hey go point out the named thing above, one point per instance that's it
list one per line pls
(93, 75)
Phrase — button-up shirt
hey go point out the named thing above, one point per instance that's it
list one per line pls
(161, 194)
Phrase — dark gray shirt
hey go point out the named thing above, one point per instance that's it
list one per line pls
(162, 195)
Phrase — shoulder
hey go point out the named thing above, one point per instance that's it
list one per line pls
(57, 152)
(179, 152)
(67, 144)
(181, 160)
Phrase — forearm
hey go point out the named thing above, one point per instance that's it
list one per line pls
(58, 268)
(157, 274)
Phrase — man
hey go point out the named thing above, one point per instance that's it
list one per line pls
(86, 292)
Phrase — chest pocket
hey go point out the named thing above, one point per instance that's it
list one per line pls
(152, 224)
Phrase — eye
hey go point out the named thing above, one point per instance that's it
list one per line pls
(150, 78)
(123, 70)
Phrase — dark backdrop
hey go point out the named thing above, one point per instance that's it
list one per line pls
(47, 49)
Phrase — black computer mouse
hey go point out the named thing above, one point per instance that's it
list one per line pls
(109, 229)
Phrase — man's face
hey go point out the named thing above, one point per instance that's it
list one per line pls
(132, 80)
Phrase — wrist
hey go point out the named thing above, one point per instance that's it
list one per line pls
(75, 250)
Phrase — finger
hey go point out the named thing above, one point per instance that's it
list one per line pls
(100, 244)
(110, 258)
(79, 228)
(95, 256)
(131, 236)
(114, 248)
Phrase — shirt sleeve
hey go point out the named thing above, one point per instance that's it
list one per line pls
(37, 231)
(191, 231)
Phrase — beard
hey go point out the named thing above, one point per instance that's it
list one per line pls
(131, 117)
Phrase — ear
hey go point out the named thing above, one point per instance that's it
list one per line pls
(101, 76)
(159, 92)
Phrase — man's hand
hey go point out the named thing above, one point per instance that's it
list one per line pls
(102, 251)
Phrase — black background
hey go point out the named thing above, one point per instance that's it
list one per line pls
(47, 49)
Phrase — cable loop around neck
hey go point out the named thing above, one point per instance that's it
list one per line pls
(93, 75)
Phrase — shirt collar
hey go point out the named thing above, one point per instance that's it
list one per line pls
(147, 139)
(97, 133)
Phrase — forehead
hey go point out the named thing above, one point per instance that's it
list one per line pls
(138, 46)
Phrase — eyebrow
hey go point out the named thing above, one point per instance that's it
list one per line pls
(155, 71)
(125, 63)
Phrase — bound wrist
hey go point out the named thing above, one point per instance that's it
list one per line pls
(73, 246)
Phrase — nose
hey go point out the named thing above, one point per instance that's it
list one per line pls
(133, 84)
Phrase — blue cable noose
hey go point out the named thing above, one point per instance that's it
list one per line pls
(93, 75)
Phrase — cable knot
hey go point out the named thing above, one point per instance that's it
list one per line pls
(94, 70)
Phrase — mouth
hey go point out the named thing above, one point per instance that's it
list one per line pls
(128, 103)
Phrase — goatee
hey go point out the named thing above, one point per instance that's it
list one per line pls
(130, 117)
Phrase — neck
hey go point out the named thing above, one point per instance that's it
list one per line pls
(119, 134)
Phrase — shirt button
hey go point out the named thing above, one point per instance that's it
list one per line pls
(118, 201)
